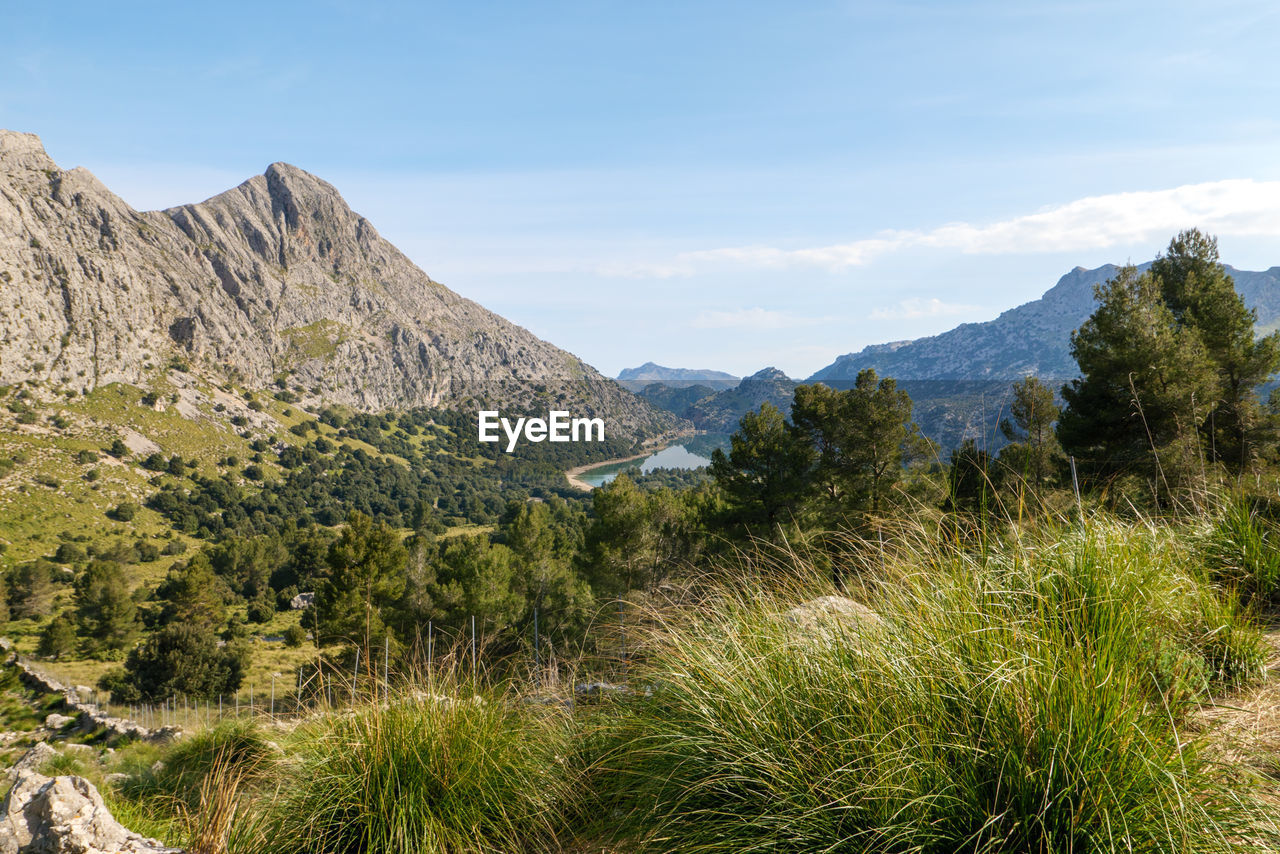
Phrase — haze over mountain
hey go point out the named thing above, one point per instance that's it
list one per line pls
(637, 378)
(276, 281)
(1032, 339)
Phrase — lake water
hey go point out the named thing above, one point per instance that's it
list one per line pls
(672, 457)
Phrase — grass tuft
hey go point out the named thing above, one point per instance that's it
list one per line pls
(1031, 700)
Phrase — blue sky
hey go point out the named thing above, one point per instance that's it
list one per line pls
(724, 185)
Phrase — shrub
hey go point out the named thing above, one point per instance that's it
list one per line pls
(123, 512)
(69, 553)
(181, 659)
(57, 639)
(295, 636)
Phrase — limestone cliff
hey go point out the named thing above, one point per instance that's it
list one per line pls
(276, 281)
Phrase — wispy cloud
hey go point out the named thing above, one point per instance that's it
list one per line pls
(911, 309)
(751, 318)
(1238, 207)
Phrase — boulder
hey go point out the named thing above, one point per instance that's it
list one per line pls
(65, 815)
(39, 754)
(56, 721)
(828, 614)
(301, 601)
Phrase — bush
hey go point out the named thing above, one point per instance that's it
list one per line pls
(123, 512)
(57, 639)
(262, 608)
(295, 636)
(181, 660)
(69, 553)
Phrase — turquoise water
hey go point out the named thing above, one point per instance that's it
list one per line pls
(672, 457)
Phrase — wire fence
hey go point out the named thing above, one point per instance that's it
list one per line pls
(327, 684)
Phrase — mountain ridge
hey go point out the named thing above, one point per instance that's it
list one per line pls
(1029, 339)
(274, 282)
(637, 378)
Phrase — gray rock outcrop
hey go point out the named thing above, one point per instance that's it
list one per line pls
(274, 279)
(829, 616)
(65, 815)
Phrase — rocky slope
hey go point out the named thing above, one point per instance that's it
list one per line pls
(1032, 339)
(274, 282)
(721, 411)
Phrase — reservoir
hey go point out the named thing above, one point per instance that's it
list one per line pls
(671, 457)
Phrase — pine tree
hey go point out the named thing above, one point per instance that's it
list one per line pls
(1146, 384)
(1201, 296)
(766, 472)
(105, 612)
(1033, 453)
(860, 439)
(366, 579)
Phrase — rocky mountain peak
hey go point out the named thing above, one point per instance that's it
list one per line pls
(274, 281)
(770, 374)
(23, 150)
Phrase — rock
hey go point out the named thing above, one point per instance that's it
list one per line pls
(56, 721)
(833, 613)
(65, 815)
(80, 749)
(275, 275)
(596, 691)
(32, 759)
(302, 600)
(115, 778)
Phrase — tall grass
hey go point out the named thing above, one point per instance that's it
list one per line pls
(1030, 701)
(444, 770)
(1242, 551)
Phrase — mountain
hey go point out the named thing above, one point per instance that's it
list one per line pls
(637, 378)
(1032, 339)
(719, 411)
(275, 282)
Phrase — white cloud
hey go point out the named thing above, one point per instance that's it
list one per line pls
(750, 318)
(1237, 207)
(911, 309)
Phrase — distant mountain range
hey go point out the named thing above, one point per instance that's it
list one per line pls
(960, 380)
(1030, 340)
(275, 283)
(637, 378)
